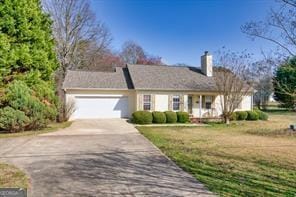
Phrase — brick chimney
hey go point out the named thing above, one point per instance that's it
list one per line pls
(207, 64)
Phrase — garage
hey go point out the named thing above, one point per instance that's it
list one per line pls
(93, 107)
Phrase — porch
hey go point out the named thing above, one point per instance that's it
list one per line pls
(203, 106)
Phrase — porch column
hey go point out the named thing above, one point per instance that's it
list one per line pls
(200, 105)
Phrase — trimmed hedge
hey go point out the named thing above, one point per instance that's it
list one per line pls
(252, 115)
(241, 115)
(159, 117)
(262, 115)
(142, 117)
(233, 116)
(171, 117)
(183, 117)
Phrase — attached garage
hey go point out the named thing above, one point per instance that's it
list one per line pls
(92, 107)
(97, 95)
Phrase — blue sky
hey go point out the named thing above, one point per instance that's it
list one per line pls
(180, 31)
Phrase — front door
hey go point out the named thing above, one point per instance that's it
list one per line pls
(189, 104)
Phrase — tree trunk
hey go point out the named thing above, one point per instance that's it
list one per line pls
(61, 95)
(226, 120)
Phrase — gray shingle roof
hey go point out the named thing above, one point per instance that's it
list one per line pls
(150, 77)
(142, 77)
(99, 80)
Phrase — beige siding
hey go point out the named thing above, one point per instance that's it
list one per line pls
(161, 102)
(246, 104)
(160, 99)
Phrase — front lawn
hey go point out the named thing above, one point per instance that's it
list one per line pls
(244, 159)
(10, 176)
(50, 128)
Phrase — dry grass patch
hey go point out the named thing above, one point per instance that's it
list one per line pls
(244, 159)
(10, 176)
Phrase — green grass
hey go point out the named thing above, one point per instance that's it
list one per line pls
(10, 176)
(243, 159)
(51, 127)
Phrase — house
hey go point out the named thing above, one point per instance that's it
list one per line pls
(146, 87)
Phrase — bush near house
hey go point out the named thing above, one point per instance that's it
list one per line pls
(252, 115)
(159, 117)
(183, 117)
(233, 116)
(241, 115)
(142, 117)
(146, 117)
(262, 115)
(171, 117)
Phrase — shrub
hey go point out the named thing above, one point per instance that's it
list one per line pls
(241, 115)
(40, 114)
(233, 116)
(20, 97)
(159, 117)
(252, 115)
(262, 115)
(171, 117)
(142, 117)
(13, 120)
(183, 117)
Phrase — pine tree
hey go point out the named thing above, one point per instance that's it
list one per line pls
(27, 51)
(285, 84)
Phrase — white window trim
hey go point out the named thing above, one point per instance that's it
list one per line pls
(150, 102)
(176, 102)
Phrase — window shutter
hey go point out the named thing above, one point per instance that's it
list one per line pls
(152, 102)
(181, 102)
(170, 107)
(140, 101)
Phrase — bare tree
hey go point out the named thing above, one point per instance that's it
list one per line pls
(231, 80)
(261, 74)
(133, 53)
(74, 23)
(278, 28)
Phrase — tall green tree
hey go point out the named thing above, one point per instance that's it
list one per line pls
(26, 40)
(26, 52)
(285, 84)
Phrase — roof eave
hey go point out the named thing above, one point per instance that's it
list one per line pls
(70, 88)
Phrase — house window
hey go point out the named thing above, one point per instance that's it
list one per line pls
(208, 102)
(208, 105)
(176, 103)
(147, 102)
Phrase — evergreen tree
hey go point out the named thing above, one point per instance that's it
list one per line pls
(285, 84)
(26, 53)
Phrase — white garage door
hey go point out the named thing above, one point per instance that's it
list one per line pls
(100, 107)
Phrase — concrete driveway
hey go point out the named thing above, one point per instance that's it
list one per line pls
(97, 158)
